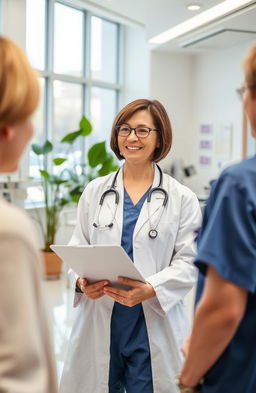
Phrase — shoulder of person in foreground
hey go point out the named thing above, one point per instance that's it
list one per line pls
(238, 171)
(238, 177)
(15, 222)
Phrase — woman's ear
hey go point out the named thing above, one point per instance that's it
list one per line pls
(7, 133)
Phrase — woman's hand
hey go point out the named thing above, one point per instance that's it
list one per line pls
(139, 292)
(185, 346)
(92, 291)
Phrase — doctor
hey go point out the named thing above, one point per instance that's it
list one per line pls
(130, 340)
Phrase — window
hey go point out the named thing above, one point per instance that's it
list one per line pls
(77, 56)
(68, 40)
(103, 111)
(104, 49)
(35, 32)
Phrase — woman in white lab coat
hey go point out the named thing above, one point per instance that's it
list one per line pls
(130, 340)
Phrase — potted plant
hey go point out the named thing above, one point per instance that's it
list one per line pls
(63, 185)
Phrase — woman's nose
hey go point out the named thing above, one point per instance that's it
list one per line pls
(132, 135)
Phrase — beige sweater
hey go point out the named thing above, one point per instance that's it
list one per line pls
(26, 358)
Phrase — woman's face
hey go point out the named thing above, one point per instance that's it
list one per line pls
(134, 149)
(13, 141)
(249, 100)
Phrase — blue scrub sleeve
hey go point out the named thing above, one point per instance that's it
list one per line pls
(227, 240)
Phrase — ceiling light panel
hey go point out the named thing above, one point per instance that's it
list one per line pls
(210, 15)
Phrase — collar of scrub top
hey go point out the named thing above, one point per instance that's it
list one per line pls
(112, 190)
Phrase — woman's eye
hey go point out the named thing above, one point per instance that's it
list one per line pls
(142, 130)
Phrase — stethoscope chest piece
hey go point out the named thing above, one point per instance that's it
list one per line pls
(152, 233)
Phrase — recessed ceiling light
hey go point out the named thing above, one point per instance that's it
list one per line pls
(193, 7)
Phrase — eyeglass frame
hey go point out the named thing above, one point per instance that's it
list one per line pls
(117, 128)
(242, 89)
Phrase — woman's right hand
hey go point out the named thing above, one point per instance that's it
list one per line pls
(92, 291)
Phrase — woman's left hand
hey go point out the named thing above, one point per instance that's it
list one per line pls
(185, 346)
(139, 292)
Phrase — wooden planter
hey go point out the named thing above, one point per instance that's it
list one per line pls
(51, 266)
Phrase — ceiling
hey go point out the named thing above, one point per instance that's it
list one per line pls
(159, 15)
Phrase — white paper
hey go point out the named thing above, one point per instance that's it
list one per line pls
(99, 262)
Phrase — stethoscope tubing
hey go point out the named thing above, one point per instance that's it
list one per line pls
(153, 231)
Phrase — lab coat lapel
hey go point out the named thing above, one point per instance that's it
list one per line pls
(154, 206)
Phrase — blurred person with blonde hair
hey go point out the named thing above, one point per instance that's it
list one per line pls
(26, 359)
(221, 352)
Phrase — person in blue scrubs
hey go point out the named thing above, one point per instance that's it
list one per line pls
(221, 352)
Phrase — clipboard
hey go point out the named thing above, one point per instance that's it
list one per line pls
(99, 262)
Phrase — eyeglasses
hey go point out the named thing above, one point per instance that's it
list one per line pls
(140, 132)
(242, 89)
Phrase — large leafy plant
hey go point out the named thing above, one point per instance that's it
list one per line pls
(63, 184)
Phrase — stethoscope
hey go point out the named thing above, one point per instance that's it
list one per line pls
(112, 190)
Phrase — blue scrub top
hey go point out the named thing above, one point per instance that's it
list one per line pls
(128, 323)
(227, 242)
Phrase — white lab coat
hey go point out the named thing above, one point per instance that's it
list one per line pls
(166, 262)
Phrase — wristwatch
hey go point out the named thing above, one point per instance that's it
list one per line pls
(188, 389)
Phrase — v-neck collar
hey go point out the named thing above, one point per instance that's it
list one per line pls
(140, 201)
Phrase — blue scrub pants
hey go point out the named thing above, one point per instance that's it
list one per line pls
(130, 362)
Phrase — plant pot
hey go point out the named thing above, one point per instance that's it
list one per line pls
(51, 265)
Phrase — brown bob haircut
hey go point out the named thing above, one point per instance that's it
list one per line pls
(19, 88)
(249, 65)
(161, 122)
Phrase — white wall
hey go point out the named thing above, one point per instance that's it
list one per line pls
(14, 19)
(171, 83)
(216, 77)
(200, 89)
(136, 65)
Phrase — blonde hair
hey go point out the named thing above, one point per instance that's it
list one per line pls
(19, 87)
(249, 65)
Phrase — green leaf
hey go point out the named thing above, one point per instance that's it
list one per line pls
(42, 149)
(114, 168)
(44, 174)
(57, 180)
(97, 154)
(75, 198)
(64, 201)
(71, 137)
(106, 166)
(85, 126)
(59, 161)
(76, 190)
